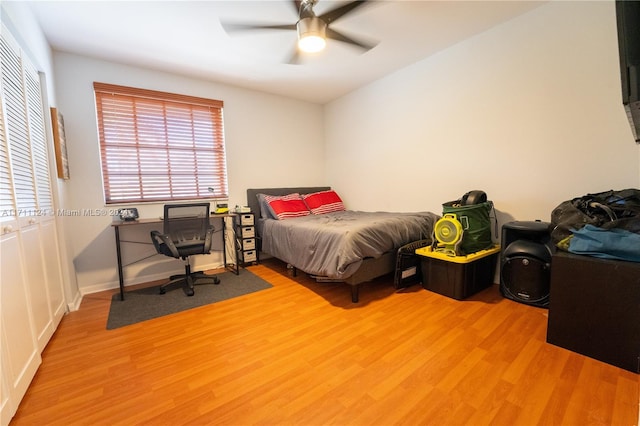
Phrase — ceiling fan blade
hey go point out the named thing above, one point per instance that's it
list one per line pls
(335, 35)
(339, 12)
(231, 27)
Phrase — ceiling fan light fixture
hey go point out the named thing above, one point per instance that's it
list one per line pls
(311, 34)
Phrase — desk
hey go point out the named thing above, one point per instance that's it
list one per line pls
(117, 224)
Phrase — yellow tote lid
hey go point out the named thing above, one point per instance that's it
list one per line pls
(428, 252)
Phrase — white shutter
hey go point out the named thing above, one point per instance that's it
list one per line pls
(17, 129)
(7, 204)
(35, 113)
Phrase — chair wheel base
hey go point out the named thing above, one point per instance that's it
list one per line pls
(189, 281)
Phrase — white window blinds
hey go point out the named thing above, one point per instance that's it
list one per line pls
(158, 146)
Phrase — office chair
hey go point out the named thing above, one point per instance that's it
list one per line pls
(187, 232)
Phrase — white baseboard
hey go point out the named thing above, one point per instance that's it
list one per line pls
(110, 285)
(74, 305)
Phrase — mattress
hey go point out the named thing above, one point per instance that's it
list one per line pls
(334, 245)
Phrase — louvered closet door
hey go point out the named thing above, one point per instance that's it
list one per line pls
(22, 355)
(31, 299)
(44, 197)
(44, 278)
(22, 352)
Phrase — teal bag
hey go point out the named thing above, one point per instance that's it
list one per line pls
(613, 243)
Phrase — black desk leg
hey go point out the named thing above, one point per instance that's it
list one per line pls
(119, 256)
(224, 243)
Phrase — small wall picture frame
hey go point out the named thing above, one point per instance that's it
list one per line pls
(60, 143)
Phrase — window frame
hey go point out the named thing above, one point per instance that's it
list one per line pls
(159, 128)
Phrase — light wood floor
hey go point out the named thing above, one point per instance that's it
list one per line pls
(301, 353)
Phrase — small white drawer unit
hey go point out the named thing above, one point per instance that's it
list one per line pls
(246, 237)
(249, 256)
(246, 219)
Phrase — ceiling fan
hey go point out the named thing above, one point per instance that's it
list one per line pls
(313, 30)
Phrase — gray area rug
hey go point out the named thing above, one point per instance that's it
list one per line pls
(147, 303)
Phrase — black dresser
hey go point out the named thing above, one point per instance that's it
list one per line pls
(594, 308)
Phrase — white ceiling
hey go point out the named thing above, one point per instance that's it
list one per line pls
(186, 37)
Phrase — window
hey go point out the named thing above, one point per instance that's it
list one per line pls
(157, 146)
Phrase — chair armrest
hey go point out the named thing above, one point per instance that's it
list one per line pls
(208, 238)
(159, 238)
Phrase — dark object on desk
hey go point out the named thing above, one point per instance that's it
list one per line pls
(130, 213)
(187, 232)
(593, 308)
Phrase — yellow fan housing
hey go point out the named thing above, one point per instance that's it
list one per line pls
(448, 234)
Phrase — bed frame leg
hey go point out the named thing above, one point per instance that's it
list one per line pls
(293, 272)
(355, 291)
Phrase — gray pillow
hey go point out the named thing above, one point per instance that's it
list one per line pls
(265, 209)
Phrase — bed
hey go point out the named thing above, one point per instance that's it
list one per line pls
(337, 246)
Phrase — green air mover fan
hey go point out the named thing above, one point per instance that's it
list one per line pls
(447, 234)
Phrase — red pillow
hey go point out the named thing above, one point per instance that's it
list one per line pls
(287, 206)
(323, 202)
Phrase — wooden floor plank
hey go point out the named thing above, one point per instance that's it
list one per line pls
(301, 353)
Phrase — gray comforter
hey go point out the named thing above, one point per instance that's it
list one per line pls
(333, 245)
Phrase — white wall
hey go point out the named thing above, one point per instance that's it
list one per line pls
(270, 141)
(529, 111)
